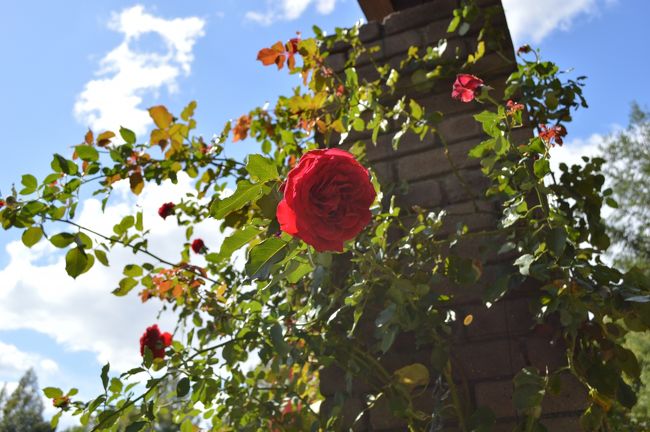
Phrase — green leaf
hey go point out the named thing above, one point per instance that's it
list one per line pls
(261, 168)
(87, 153)
(135, 427)
(127, 135)
(30, 183)
(60, 164)
(236, 240)
(416, 109)
(126, 285)
(187, 426)
(557, 240)
(262, 257)
(54, 422)
(62, 240)
(132, 270)
(104, 375)
(116, 385)
(524, 262)
(76, 262)
(183, 387)
(246, 193)
(101, 257)
(412, 376)
(541, 167)
(52, 392)
(278, 340)
(32, 235)
(529, 391)
(296, 270)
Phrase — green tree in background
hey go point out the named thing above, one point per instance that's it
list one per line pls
(22, 411)
(629, 174)
(628, 171)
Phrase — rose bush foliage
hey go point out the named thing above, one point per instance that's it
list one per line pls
(251, 341)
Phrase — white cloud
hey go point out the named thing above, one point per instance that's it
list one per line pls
(82, 314)
(14, 362)
(288, 10)
(533, 20)
(571, 152)
(115, 97)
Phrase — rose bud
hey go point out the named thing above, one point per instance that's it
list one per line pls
(166, 209)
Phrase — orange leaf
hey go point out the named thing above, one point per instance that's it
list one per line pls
(89, 138)
(274, 55)
(240, 131)
(161, 116)
(177, 291)
(104, 138)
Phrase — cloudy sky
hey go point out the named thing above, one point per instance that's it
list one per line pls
(100, 64)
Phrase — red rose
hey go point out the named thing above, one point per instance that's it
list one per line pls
(198, 246)
(166, 209)
(326, 201)
(465, 87)
(2, 203)
(156, 341)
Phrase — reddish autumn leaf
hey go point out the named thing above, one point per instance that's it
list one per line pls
(274, 55)
(240, 131)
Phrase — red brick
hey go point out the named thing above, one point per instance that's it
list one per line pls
(497, 396)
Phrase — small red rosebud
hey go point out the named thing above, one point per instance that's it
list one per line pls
(466, 87)
(524, 49)
(166, 209)
(513, 106)
(198, 246)
(2, 203)
(340, 90)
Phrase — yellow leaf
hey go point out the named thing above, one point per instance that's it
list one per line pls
(412, 376)
(159, 137)
(161, 116)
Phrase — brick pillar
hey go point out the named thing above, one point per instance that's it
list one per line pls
(500, 340)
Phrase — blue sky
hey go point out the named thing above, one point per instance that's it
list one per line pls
(53, 58)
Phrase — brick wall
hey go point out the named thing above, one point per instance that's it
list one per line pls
(500, 340)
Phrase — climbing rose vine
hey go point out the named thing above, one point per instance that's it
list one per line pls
(270, 310)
